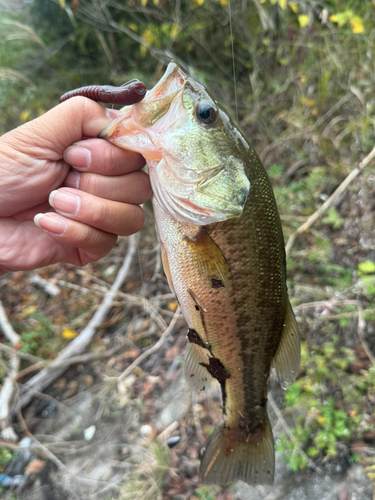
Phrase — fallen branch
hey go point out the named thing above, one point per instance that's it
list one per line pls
(329, 202)
(9, 390)
(7, 328)
(57, 367)
(153, 348)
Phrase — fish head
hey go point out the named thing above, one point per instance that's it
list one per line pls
(194, 152)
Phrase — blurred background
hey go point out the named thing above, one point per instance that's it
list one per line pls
(120, 423)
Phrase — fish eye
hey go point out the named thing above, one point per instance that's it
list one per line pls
(206, 113)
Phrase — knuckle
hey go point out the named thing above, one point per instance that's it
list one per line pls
(135, 221)
(92, 184)
(108, 159)
(99, 214)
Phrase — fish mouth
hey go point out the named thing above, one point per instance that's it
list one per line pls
(173, 80)
(139, 117)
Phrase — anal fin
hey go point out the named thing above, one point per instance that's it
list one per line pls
(196, 375)
(288, 354)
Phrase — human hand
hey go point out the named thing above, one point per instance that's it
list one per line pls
(94, 203)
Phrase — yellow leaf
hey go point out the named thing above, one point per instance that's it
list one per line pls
(156, 2)
(303, 20)
(224, 3)
(133, 26)
(28, 311)
(282, 4)
(143, 50)
(62, 4)
(333, 18)
(175, 30)
(199, 2)
(293, 6)
(69, 334)
(144, 3)
(172, 306)
(25, 116)
(357, 25)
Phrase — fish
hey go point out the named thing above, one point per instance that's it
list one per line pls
(223, 254)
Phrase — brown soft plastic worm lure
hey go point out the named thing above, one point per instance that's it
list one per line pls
(131, 93)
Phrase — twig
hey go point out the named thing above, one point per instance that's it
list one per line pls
(7, 328)
(153, 348)
(29, 369)
(46, 452)
(279, 415)
(88, 358)
(359, 313)
(21, 355)
(329, 202)
(361, 327)
(43, 379)
(47, 286)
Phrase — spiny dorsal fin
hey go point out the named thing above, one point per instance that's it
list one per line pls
(288, 355)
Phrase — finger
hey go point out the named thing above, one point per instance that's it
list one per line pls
(109, 216)
(101, 157)
(134, 188)
(91, 241)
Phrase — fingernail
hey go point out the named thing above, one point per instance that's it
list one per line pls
(72, 179)
(51, 223)
(78, 157)
(63, 201)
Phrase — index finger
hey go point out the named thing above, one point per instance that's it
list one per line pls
(100, 157)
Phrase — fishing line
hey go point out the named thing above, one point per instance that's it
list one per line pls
(234, 62)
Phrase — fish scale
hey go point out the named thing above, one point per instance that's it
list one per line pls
(223, 255)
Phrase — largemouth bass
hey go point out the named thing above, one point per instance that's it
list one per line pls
(223, 255)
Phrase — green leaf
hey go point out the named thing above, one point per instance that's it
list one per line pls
(366, 267)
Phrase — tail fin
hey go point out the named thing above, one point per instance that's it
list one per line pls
(234, 454)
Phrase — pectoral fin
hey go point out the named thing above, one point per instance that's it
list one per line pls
(209, 260)
(288, 356)
(167, 269)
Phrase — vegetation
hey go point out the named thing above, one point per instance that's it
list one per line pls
(304, 96)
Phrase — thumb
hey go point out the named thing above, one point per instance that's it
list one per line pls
(47, 136)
